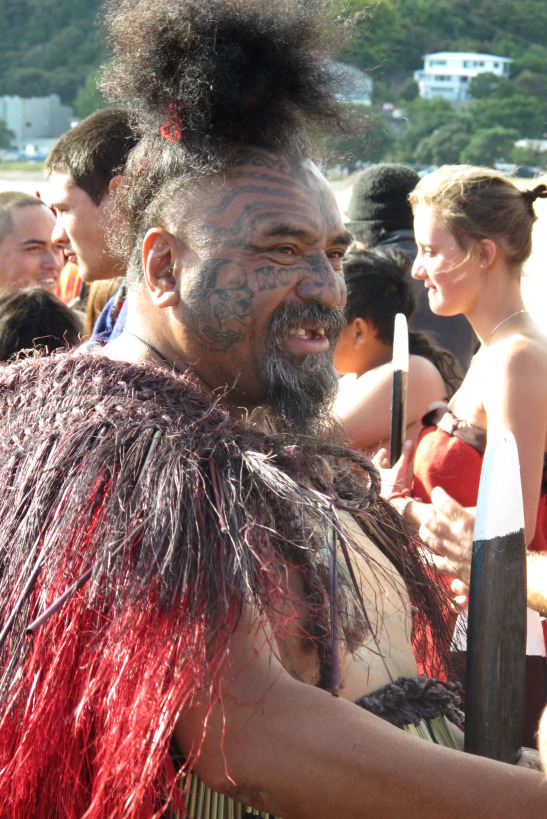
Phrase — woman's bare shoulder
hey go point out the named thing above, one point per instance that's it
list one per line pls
(520, 355)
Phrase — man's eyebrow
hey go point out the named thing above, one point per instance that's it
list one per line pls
(344, 238)
(34, 242)
(279, 229)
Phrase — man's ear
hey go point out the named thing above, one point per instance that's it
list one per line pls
(114, 182)
(157, 252)
(360, 330)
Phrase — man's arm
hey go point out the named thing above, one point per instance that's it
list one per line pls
(297, 752)
(364, 407)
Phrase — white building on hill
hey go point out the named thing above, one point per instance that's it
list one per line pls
(447, 74)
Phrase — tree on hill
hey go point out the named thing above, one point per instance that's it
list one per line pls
(489, 145)
(377, 34)
(371, 138)
(518, 112)
(88, 99)
(424, 118)
(485, 84)
(6, 135)
(443, 147)
(59, 40)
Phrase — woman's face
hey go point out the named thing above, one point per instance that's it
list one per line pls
(446, 269)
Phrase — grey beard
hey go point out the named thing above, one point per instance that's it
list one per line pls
(301, 391)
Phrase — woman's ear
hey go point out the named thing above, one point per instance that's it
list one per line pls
(157, 252)
(487, 253)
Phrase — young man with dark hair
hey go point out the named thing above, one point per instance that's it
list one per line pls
(28, 254)
(84, 167)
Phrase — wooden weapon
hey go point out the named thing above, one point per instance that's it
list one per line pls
(496, 639)
(398, 395)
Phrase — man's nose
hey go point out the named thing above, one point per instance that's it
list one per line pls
(53, 259)
(322, 284)
(59, 234)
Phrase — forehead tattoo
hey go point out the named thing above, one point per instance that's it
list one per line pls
(270, 190)
(272, 197)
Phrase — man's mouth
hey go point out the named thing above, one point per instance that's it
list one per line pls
(302, 340)
(309, 333)
(48, 282)
(305, 329)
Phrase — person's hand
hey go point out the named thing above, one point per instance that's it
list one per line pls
(447, 528)
(461, 593)
(396, 478)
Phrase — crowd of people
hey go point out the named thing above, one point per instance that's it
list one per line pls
(207, 605)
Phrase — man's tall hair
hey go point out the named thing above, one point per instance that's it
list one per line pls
(205, 79)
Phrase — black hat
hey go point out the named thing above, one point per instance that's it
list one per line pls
(379, 200)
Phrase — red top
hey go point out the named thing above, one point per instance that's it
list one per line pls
(449, 454)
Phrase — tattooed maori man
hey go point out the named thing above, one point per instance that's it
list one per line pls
(191, 564)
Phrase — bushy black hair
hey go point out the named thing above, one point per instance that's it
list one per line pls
(219, 73)
(206, 78)
(31, 318)
(378, 287)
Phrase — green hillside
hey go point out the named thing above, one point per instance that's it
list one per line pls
(394, 35)
(48, 46)
(56, 46)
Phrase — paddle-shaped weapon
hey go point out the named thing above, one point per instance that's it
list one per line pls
(496, 639)
(398, 395)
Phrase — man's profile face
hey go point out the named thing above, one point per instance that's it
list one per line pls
(262, 305)
(80, 228)
(28, 256)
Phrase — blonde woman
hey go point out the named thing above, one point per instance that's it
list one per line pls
(474, 232)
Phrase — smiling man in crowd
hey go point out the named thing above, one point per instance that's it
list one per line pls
(29, 257)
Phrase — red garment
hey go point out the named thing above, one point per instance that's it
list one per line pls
(449, 454)
(69, 283)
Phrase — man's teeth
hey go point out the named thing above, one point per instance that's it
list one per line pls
(300, 331)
